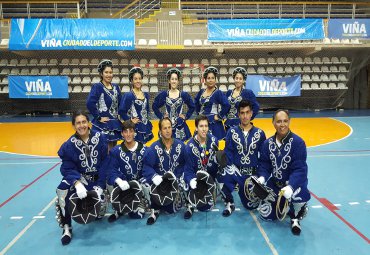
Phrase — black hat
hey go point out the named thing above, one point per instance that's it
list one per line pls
(125, 201)
(221, 158)
(202, 195)
(258, 189)
(103, 64)
(85, 210)
(133, 71)
(210, 69)
(173, 70)
(240, 70)
(166, 192)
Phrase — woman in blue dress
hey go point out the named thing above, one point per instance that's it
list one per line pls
(212, 103)
(103, 102)
(135, 107)
(234, 96)
(173, 99)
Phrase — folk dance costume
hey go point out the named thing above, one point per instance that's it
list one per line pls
(84, 162)
(174, 107)
(242, 150)
(232, 118)
(158, 161)
(132, 107)
(286, 164)
(210, 106)
(200, 158)
(103, 102)
(126, 165)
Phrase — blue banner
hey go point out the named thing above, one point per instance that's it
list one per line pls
(241, 30)
(266, 86)
(349, 28)
(72, 34)
(40, 87)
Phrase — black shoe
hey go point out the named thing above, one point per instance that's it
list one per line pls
(113, 217)
(229, 208)
(66, 235)
(152, 218)
(188, 213)
(296, 227)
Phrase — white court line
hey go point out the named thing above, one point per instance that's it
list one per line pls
(316, 206)
(32, 163)
(368, 201)
(39, 217)
(20, 234)
(337, 205)
(271, 246)
(354, 203)
(16, 217)
(215, 210)
(339, 155)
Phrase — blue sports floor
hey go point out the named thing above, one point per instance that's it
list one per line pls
(338, 221)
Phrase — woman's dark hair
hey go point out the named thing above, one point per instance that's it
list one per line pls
(78, 113)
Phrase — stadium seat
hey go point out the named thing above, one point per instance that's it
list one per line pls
(280, 61)
(223, 70)
(197, 42)
(145, 80)
(125, 88)
(66, 71)
(186, 88)
(299, 60)
(308, 60)
(3, 62)
(261, 61)
(43, 62)
(323, 85)
(153, 81)
(195, 80)
(85, 62)
(186, 61)
(270, 70)
(344, 60)
(280, 69)
(94, 62)
(296, 69)
(289, 61)
(251, 70)
(115, 62)
(142, 42)
(223, 62)
(231, 86)
(143, 61)
(316, 69)
(214, 62)
(317, 61)
(134, 61)
(332, 85)
(153, 89)
(342, 85)
(206, 42)
(125, 80)
(223, 79)
(145, 88)
(195, 71)
(4, 81)
(53, 62)
(251, 62)
(85, 71)
(14, 71)
(333, 77)
(65, 61)
(153, 71)
(35, 71)
(124, 71)
(188, 42)
(324, 69)
(335, 60)
(326, 60)
(289, 70)
(25, 71)
(13, 62)
(342, 69)
(77, 89)
(195, 88)
(271, 61)
(307, 69)
(86, 89)
(342, 77)
(231, 79)
(75, 62)
(204, 62)
(242, 62)
(116, 80)
(315, 77)
(32, 62)
(153, 61)
(76, 80)
(232, 62)
(326, 40)
(76, 71)
(5, 90)
(186, 80)
(95, 79)
(69, 89)
(324, 77)
(305, 86)
(124, 62)
(5, 71)
(152, 42)
(23, 62)
(315, 86)
(223, 88)
(261, 70)
(333, 69)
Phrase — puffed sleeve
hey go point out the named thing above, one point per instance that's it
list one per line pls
(93, 99)
(225, 105)
(158, 103)
(68, 168)
(125, 105)
(249, 95)
(189, 102)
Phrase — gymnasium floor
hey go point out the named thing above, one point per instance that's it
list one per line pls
(338, 221)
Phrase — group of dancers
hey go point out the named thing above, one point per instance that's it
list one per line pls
(179, 170)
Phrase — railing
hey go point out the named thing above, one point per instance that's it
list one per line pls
(268, 9)
(138, 9)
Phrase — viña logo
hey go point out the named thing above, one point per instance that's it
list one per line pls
(38, 86)
(273, 85)
(354, 28)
